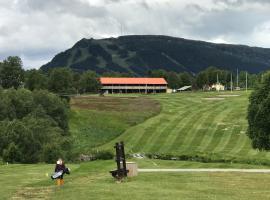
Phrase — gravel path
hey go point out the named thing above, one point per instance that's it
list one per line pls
(207, 170)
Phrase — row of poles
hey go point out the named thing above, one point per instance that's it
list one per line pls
(237, 81)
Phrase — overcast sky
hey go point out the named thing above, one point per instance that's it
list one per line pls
(36, 30)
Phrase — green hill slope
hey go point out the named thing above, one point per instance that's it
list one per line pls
(196, 126)
(141, 53)
(97, 120)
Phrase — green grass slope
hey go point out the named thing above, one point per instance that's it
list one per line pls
(208, 127)
(93, 181)
(97, 120)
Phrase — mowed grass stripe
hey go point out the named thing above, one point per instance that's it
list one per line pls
(156, 135)
(160, 139)
(175, 131)
(187, 125)
(233, 141)
(136, 136)
(242, 139)
(132, 134)
(180, 130)
(138, 139)
(196, 134)
(149, 139)
(163, 128)
(209, 136)
(157, 139)
(220, 131)
(225, 139)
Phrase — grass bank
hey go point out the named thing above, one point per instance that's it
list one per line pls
(97, 120)
(201, 126)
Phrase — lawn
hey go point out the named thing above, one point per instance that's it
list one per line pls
(97, 120)
(92, 181)
(208, 127)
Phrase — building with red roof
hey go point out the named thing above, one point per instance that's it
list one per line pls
(133, 85)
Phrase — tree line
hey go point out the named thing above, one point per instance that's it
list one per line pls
(207, 77)
(65, 81)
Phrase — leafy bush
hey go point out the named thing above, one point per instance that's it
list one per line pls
(33, 126)
(259, 115)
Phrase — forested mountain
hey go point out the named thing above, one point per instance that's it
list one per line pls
(138, 54)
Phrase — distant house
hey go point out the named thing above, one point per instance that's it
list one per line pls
(218, 87)
(133, 85)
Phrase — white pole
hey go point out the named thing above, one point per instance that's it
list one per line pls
(246, 82)
(231, 82)
(237, 79)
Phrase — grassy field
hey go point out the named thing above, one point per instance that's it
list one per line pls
(97, 120)
(207, 127)
(92, 181)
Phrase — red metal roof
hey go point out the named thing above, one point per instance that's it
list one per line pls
(133, 81)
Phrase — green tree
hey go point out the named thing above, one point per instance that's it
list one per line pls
(12, 153)
(20, 101)
(54, 107)
(202, 79)
(253, 80)
(35, 80)
(39, 120)
(76, 81)
(89, 82)
(259, 115)
(11, 74)
(173, 80)
(186, 79)
(61, 81)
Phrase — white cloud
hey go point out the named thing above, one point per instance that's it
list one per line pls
(36, 30)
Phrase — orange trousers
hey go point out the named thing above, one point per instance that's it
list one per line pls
(59, 182)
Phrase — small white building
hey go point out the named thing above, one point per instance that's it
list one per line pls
(217, 87)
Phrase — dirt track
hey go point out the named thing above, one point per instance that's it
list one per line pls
(207, 170)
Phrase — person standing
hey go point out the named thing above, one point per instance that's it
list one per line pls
(60, 166)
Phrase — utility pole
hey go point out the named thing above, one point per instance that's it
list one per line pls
(217, 85)
(231, 83)
(246, 82)
(237, 79)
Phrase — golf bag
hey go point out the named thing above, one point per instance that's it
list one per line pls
(56, 175)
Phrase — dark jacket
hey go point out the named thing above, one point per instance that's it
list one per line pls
(59, 168)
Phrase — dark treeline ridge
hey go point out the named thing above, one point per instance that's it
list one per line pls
(137, 54)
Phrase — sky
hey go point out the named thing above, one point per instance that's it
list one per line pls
(36, 30)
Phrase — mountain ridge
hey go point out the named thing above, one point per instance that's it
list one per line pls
(137, 54)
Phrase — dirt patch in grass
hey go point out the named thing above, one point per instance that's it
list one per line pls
(33, 193)
(228, 95)
(122, 104)
(213, 98)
